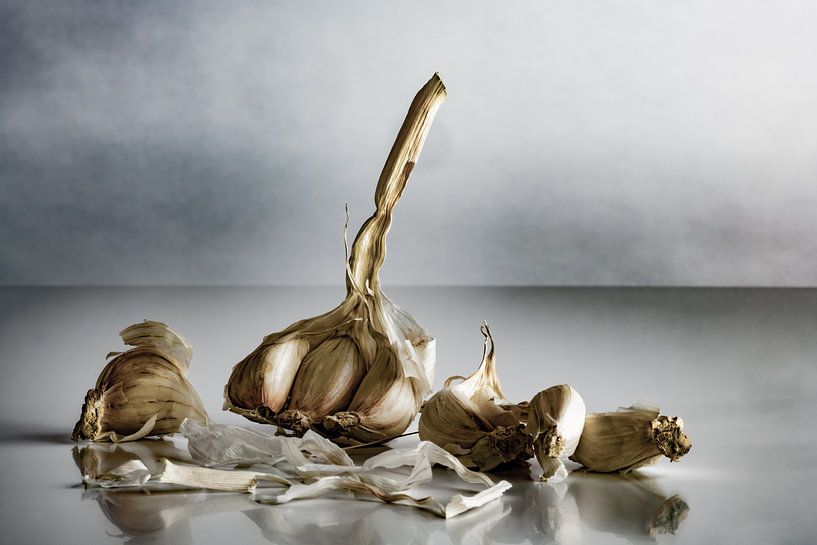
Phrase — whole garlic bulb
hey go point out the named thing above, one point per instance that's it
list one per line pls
(467, 419)
(359, 372)
(143, 391)
(630, 438)
(555, 421)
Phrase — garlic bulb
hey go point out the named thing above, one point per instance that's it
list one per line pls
(360, 371)
(555, 421)
(467, 420)
(143, 391)
(630, 438)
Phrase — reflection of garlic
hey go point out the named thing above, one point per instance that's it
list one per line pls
(630, 438)
(466, 419)
(143, 391)
(555, 421)
(629, 506)
(360, 371)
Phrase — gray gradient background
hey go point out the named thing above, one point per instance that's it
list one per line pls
(583, 143)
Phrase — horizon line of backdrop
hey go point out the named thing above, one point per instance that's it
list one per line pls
(583, 143)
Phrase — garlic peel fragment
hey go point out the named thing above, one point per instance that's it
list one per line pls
(301, 468)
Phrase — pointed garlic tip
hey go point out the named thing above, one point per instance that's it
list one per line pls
(359, 372)
(143, 391)
(465, 418)
(629, 439)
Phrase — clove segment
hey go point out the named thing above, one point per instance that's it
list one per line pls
(467, 420)
(359, 372)
(143, 391)
(630, 438)
(555, 421)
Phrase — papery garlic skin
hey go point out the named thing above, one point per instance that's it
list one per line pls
(555, 421)
(630, 438)
(143, 391)
(467, 420)
(359, 372)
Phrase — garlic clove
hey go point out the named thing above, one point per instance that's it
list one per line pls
(266, 376)
(328, 378)
(383, 406)
(467, 420)
(143, 391)
(628, 439)
(555, 421)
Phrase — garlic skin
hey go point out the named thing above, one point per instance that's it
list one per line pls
(143, 391)
(630, 438)
(467, 420)
(555, 421)
(359, 372)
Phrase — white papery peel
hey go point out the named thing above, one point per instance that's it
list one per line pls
(280, 469)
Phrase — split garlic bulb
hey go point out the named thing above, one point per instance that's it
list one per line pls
(360, 371)
(630, 438)
(555, 421)
(467, 420)
(143, 391)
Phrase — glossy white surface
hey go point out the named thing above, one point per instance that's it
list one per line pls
(740, 366)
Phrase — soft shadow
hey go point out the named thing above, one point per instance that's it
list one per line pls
(630, 506)
(17, 434)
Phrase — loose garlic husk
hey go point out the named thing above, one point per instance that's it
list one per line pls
(467, 420)
(359, 372)
(555, 421)
(630, 438)
(143, 391)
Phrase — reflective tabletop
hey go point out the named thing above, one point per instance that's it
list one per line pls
(739, 366)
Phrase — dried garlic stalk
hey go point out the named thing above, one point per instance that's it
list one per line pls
(630, 438)
(467, 420)
(360, 371)
(143, 391)
(555, 421)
